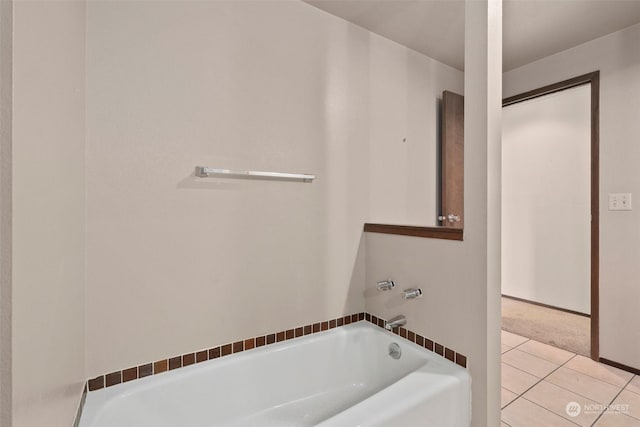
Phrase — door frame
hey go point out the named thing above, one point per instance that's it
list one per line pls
(593, 79)
(451, 160)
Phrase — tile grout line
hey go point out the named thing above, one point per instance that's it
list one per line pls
(532, 386)
(563, 365)
(594, 378)
(598, 419)
(511, 347)
(557, 348)
(571, 391)
(599, 379)
(549, 410)
(627, 385)
(613, 400)
(621, 389)
(536, 383)
(517, 395)
(537, 357)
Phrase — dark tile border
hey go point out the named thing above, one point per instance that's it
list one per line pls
(202, 356)
(426, 343)
(214, 353)
(129, 374)
(113, 378)
(176, 362)
(145, 370)
(158, 367)
(96, 383)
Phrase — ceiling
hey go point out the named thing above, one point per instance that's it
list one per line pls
(532, 29)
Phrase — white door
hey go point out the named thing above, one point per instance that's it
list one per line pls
(546, 215)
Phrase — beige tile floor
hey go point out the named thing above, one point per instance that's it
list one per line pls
(541, 384)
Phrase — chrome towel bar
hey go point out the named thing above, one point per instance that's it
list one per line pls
(204, 172)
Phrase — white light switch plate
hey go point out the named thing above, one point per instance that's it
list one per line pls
(620, 201)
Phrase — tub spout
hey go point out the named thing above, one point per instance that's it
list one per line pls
(395, 322)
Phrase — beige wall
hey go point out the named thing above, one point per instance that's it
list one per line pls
(452, 310)
(618, 58)
(460, 280)
(6, 48)
(403, 93)
(546, 199)
(177, 263)
(48, 212)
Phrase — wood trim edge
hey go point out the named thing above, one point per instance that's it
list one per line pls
(541, 304)
(552, 88)
(593, 79)
(620, 366)
(415, 231)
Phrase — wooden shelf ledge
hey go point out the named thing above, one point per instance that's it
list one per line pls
(410, 230)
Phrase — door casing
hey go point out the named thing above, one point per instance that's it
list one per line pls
(593, 79)
(452, 161)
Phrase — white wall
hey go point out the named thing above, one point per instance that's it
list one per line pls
(618, 58)
(48, 241)
(546, 196)
(177, 263)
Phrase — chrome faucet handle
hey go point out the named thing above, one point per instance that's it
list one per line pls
(411, 293)
(386, 285)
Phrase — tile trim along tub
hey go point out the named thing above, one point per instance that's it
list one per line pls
(176, 362)
(184, 360)
(357, 374)
(187, 359)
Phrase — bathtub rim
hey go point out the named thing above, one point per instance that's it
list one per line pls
(98, 399)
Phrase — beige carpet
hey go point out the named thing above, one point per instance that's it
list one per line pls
(554, 327)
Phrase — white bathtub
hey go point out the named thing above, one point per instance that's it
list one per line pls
(341, 377)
